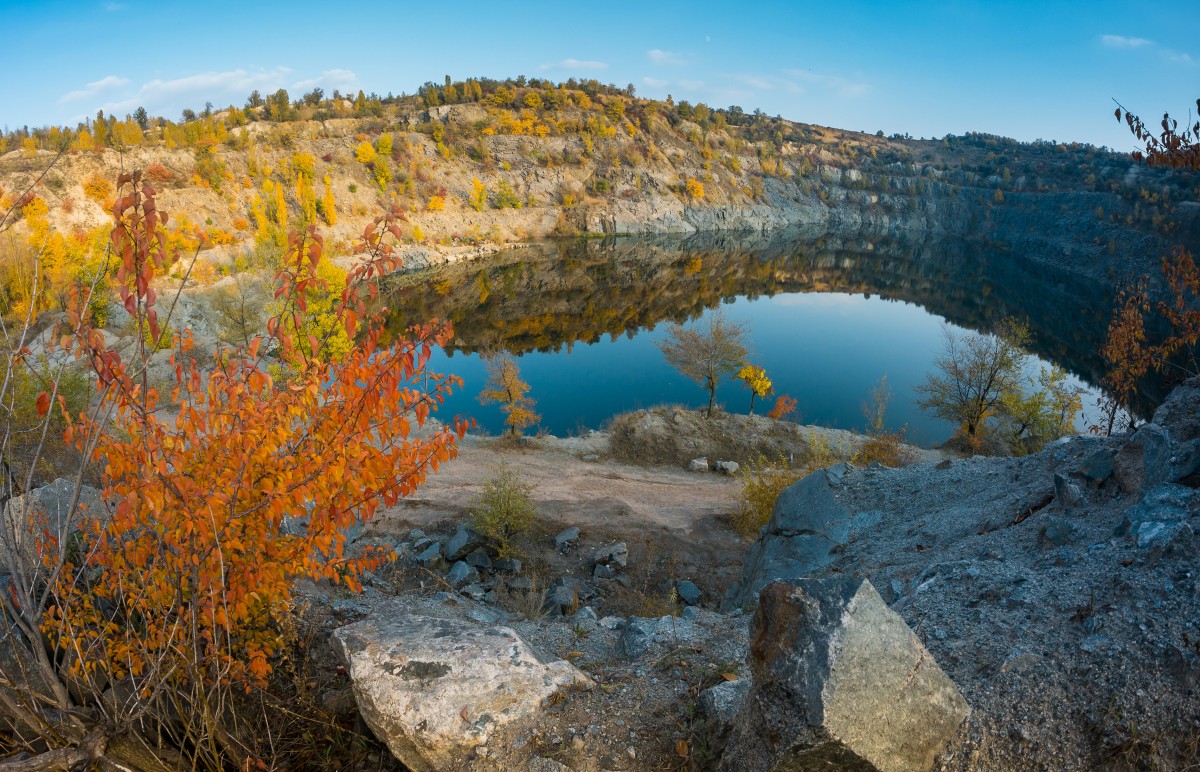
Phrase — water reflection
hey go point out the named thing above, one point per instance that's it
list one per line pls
(820, 341)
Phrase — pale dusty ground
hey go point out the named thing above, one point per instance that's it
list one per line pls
(601, 495)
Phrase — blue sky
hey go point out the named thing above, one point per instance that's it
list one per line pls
(1031, 70)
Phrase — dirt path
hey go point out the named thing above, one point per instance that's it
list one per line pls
(655, 510)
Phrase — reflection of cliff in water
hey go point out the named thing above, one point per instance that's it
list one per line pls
(550, 296)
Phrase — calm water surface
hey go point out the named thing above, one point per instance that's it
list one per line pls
(828, 317)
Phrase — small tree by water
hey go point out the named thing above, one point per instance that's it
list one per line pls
(504, 386)
(707, 352)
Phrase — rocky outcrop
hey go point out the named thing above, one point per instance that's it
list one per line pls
(1059, 590)
(807, 524)
(840, 681)
(50, 510)
(437, 690)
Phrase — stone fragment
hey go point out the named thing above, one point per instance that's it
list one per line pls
(431, 556)
(1152, 535)
(566, 538)
(48, 509)
(1145, 460)
(1067, 494)
(511, 565)
(698, 465)
(726, 467)
(688, 592)
(461, 574)
(1166, 503)
(464, 541)
(1098, 466)
(601, 571)
(805, 526)
(480, 559)
(1057, 531)
(722, 702)
(612, 555)
(347, 610)
(839, 682)
(434, 690)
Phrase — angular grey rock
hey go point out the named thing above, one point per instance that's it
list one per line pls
(637, 636)
(484, 616)
(1098, 466)
(690, 614)
(1057, 531)
(688, 592)
(1151, 535)
(1185, 464)
(566, 538)
(698, 465)
(612, 623)
(479, 559)
(807, 523)
(520, 583)
(47, 508)
(727, 467)
(446, 598)
(1145, 460)
(435, 689)
(1067, 494)
(461, 574)
(415, 534)
(836, 474)
(585, 614)
(474, 592)
(601, 571)
(722, 702)
(347, 610)
(840, 682)
(511, 565)
(431, 556)
(567, 594)
(1166, 503)
(613, 554)
(464, 541)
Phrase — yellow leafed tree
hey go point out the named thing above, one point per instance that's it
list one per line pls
(756, 380)
(504, 386)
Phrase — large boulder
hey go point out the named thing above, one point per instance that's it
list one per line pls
(839, 682)
(805, 527)
(436, 689)
(46, 510)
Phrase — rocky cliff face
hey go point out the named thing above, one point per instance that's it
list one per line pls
(1079, 209)
(1059, 591)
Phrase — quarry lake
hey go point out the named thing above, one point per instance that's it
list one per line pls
(828, 316)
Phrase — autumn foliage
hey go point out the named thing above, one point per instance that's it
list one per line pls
(252, 484)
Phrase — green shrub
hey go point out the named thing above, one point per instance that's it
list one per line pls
(763, 480)
(504, 509)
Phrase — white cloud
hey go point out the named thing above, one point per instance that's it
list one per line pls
(1170, 55)
(160, 95)
(95, 87)
(336, 78)
(659, 56)
(1121, 41)
(575, 64)
(758, 82)
(654, 82)
(843, 87)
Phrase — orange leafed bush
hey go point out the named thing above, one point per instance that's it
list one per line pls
(180, 589)
(784, 406)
